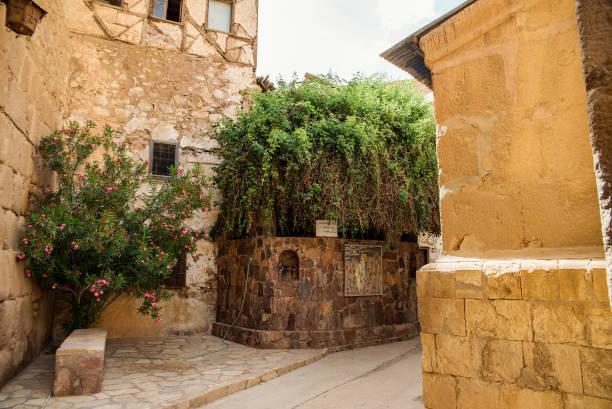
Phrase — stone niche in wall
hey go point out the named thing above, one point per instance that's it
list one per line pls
(295, 295)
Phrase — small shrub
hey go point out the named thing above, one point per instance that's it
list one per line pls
(361, 152)
(97, 235)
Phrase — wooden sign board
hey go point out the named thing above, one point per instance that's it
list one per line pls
(327, 228)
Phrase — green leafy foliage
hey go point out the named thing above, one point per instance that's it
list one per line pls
(107, 228)
(360, 152)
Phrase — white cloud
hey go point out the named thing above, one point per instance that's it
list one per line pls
(404, 14)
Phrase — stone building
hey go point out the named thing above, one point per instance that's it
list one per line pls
(516, 312)
(159, 71)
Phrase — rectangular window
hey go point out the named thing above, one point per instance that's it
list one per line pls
(167, 9)
(220, 15)
(163, 157)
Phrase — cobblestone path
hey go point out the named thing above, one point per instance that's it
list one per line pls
(149, 384)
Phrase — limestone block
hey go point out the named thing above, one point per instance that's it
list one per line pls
(11, 230)
(128, 19)
(502, 319)
(424, 284)
(80, 18)
(16, 55)
(138, 6)
(457, 355)
(501, 360)
(439, 391)
(106, 13)
(443, 284)
(469, 284)
(600, 285)
(79, 363)
(474, 393)
(573, 284)
(17, 108)
(16, 152)
(16, 198)
(559, 323)
(600, 328)
(586, 402)
(13, 282)
(597, 371)
(552, 366)
(540, 284)
(133, 34)
(245, 14)
(513, 397)
(506, 285)
(428, 343)
(442, 316)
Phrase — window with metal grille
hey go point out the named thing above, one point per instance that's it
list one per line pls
(178, 278)
(167, 9)
(220, 15)
(163, 156)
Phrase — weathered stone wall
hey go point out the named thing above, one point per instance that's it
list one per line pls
(595, 30)
(163, 81)
(515, 334)
(313, 311)
(152, 80)
(526, 323)
(33, 100)
(516, 167)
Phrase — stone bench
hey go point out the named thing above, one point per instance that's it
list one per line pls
(79, 363)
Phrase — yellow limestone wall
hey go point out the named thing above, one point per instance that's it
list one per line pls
(515, 314)
(33, 100)
(516, 167)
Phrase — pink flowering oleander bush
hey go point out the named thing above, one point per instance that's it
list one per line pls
(107, 228)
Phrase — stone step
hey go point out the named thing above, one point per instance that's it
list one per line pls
(79, 363)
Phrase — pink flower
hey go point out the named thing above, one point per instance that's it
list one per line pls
(180, 171)
(28, 273)
(54, 286)
(44, 275)
(62, 226)
(20, 256)
(97, 299)
(74, 245)
(48, 249)
(42, 216)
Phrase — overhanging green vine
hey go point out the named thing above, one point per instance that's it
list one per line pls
(360, 152)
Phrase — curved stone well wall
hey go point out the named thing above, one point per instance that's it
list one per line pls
(312, 311)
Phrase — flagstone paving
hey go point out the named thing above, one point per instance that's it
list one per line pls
(170, 384)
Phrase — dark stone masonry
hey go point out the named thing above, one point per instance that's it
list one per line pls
(295, 295)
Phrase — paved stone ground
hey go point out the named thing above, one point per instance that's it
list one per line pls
(378, 377)
(149, 384)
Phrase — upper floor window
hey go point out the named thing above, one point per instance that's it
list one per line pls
(167, 9)
(220, 15)
(163, 157)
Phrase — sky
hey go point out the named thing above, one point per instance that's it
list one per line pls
(341, 36)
